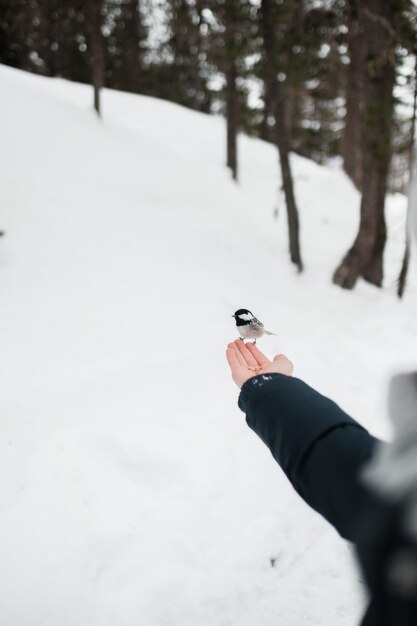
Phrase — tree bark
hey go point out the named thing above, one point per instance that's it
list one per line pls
(352, 141)
(232, 99)
(48, 17)
(292, 212)
(97, 51)
(278, 95)
(402, 279)
(365, 258)
(134, 56)
(412, 194)
(232, 114)
(265, 127)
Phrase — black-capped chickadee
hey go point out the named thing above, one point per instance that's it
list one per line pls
(249, 326)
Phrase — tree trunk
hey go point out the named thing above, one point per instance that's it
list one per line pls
(232, 114)
(352, 146)
(232, 99)
(97, 51)
(412, 193)
(48, 21)
(402, 279)
(292, 213)
(278, 95)
(365, 257)
(133, 52)
(267, 114)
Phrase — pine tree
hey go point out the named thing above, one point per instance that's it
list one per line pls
(20, 35)
(379, 20)
(232, 38)
(352, 145)
(125, 45)
(412, 186)
(134, 31)
(51, 16)
(277, 67)
(230, 18)
(186, 49)
(95, 15)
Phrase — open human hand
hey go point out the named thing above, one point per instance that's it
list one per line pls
(246, 360)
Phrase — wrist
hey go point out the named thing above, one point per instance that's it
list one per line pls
(252, 385)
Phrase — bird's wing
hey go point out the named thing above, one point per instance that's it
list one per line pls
(255, 323)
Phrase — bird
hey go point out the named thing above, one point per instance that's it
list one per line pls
(249, 326)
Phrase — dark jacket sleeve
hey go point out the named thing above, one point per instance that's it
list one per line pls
(320, 448)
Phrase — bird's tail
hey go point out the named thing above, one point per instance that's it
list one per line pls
(269, 333)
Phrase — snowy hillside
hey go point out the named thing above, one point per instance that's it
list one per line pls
(131, 490)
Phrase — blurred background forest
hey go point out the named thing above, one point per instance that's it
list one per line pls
(329, 79)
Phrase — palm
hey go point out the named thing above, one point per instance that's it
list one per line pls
(246, 360)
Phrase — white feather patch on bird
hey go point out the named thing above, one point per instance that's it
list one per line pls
(246, 316)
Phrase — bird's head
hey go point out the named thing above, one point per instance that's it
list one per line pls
(243, 315)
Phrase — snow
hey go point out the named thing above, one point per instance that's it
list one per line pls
(131, 489)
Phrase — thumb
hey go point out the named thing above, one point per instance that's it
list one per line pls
(285, 365)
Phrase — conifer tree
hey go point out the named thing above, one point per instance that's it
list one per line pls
(233, 37)
(125, 45)
(95, 15)
(352, 144)
(20, 35)
(277, 67)
(380, 21)
(187, 50)
(134, 35)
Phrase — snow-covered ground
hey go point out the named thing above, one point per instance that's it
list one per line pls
(131, 490)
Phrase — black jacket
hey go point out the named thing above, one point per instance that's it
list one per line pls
(322, 451)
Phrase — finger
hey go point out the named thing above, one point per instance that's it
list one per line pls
(285, 363)
(232, 359)
(248, 357)
(239, 357)
(258, 355)
(240, 373)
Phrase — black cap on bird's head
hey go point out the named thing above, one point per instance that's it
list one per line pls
(242, 312)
